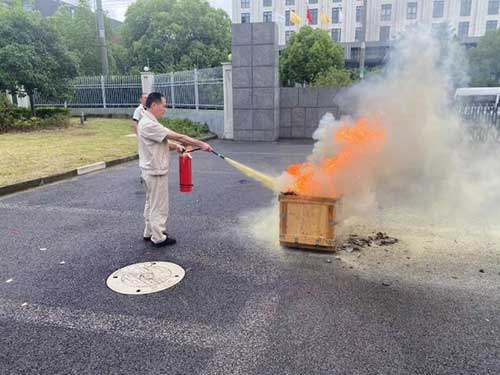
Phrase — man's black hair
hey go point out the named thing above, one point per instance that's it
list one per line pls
(154, 97)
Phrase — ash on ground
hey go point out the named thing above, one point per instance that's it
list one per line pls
(357, 243)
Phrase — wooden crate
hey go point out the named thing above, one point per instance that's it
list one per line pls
(308, 222)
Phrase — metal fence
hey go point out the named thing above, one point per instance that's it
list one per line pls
(99, 91)
(200, 89)
(482, 120)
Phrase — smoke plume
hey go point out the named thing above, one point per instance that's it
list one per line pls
(424, 159)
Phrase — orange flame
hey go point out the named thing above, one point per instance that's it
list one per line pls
(359, 143)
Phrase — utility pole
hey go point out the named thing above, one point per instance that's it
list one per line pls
(101, 37)
(363, 41)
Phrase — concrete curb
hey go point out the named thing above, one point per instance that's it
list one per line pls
(29, 184)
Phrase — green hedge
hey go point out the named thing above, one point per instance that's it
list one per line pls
(45, 112)
(185, 126)
(18, 119)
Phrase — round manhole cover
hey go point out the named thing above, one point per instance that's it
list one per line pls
(144, 278)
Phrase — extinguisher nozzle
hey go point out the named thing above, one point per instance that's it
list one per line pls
(219, 155)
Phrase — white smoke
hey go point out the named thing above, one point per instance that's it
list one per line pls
(427, 162)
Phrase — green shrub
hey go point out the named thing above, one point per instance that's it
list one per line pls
(19, 119)
(45, 112)
(20, 112)
(185, 126)
(333, 77)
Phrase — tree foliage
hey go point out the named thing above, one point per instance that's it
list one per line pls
(310, 52)
(79, 34)
(485, 61)
(32, 55)
(333, 77)
(176, 35)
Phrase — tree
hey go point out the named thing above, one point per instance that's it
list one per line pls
(484, 60)
(310, 52)
(78, 31)
(176, 35)
(334, 77)
(32, 56)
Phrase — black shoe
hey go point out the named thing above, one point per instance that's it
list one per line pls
(169, 241)
(149, 238)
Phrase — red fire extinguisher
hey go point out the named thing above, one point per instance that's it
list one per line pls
(185, 173)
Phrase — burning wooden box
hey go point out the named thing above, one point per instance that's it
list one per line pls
(309, 222)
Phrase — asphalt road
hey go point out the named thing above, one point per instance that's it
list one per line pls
(242, 308)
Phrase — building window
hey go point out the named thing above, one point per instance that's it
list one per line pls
(337, 1)
(465, 7)
(268, 17)
(438, 8)
(411, 11)
(336, 15)
(268, 3)
(463, 30)
(289, 2)
(386, 12)
(245, 4)
(358, 34)
(491, 25)
(314, 16)
(27, 4)
(336, 35)
(493, 7)
(313, 1)
(245, 17)
(385, 33)
(287, 18)
(288, 35)
(359, 14)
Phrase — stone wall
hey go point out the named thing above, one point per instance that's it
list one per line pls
(255, 81)
(302, 108)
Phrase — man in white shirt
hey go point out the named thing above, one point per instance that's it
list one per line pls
(139, 111)
(154, 158)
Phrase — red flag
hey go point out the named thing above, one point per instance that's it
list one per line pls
(309, 16)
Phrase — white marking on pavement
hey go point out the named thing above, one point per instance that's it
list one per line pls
(116, 324)
(9, 281)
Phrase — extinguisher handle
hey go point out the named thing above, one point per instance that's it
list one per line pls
(190, 149)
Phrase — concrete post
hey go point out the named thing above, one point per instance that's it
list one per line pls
(103, 92)
(172, 90)
(147, 82)
(255, 78)
(196, 93)
(227, 76)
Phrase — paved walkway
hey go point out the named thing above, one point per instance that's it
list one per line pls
(243, 307)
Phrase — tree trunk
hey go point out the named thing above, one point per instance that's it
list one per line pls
(32, 104)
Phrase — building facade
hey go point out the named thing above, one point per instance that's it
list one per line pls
(385, 19)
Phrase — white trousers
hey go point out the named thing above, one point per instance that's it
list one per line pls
(156, 207)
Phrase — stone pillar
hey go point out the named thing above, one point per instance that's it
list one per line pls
(148, 82)
(255, 57)
(227, 76)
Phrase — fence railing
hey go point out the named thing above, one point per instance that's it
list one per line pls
(99, 91)
(200, 89)
(482, 120)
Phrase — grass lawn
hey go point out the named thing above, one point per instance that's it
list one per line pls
(25, 156)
